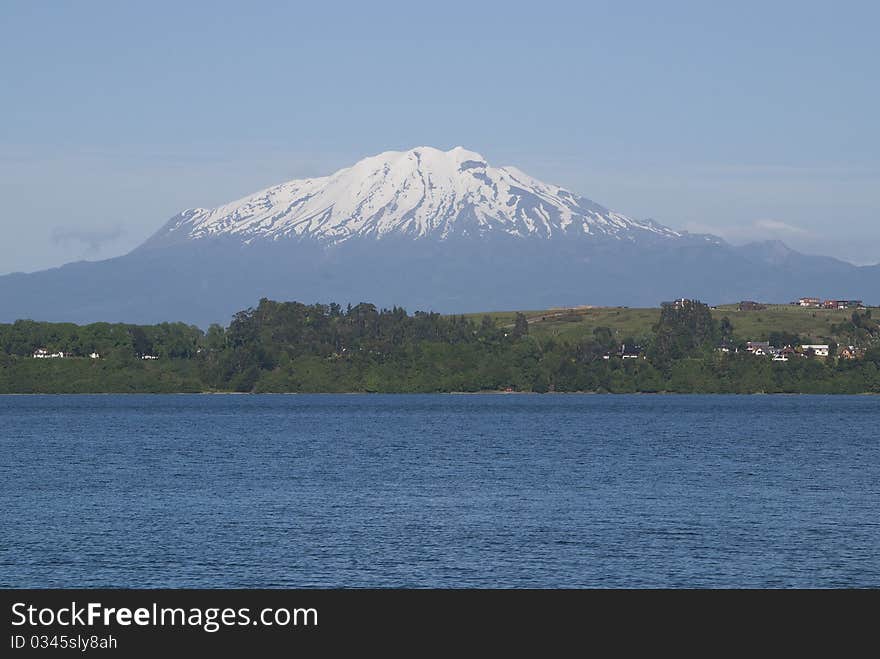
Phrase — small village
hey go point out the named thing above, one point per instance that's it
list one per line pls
(758, 349)
(816, 303)
(784, 353)
(773, 349)
(776, 353)
(43, 353)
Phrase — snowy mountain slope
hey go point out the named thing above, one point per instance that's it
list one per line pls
(423, 229)
(420, 193)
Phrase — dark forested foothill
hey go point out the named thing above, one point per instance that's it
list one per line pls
(293, 347)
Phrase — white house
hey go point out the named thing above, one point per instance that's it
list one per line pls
(42, 353)
(820, 350)
(94, 355)
(150, 357)
(758, 348)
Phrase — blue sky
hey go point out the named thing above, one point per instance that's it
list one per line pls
(750, 120)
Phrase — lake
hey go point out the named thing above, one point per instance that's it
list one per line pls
(440, 491)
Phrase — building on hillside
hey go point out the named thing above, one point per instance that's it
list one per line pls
(843, 304)
(749, 305)
(818, 349)
(630, 352)
(758, 348)
(94, 355)
(847, 352)
(42, 353)
(809, 302)
(783, 354)
(149, 357)
(680, 303)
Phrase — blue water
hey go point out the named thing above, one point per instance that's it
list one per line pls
(439, 490)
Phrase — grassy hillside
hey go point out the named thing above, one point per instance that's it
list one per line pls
(627, 322)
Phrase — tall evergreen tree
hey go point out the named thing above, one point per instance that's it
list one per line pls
(520, 326)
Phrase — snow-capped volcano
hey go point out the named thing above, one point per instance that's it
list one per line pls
(420, 193)
(422, 229)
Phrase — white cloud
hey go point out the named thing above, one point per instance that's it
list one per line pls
(763, 229)
(93, 240)
(779, 227)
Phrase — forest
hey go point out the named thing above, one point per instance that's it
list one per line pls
(290, 347)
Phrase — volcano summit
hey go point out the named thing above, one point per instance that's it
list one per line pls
(423, 229)
(423, 193)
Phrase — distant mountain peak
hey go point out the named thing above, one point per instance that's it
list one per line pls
(423, 229)
(422, 193)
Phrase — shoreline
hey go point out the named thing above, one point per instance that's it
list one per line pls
(433, 393)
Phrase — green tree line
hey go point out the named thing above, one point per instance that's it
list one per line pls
(294, 347)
